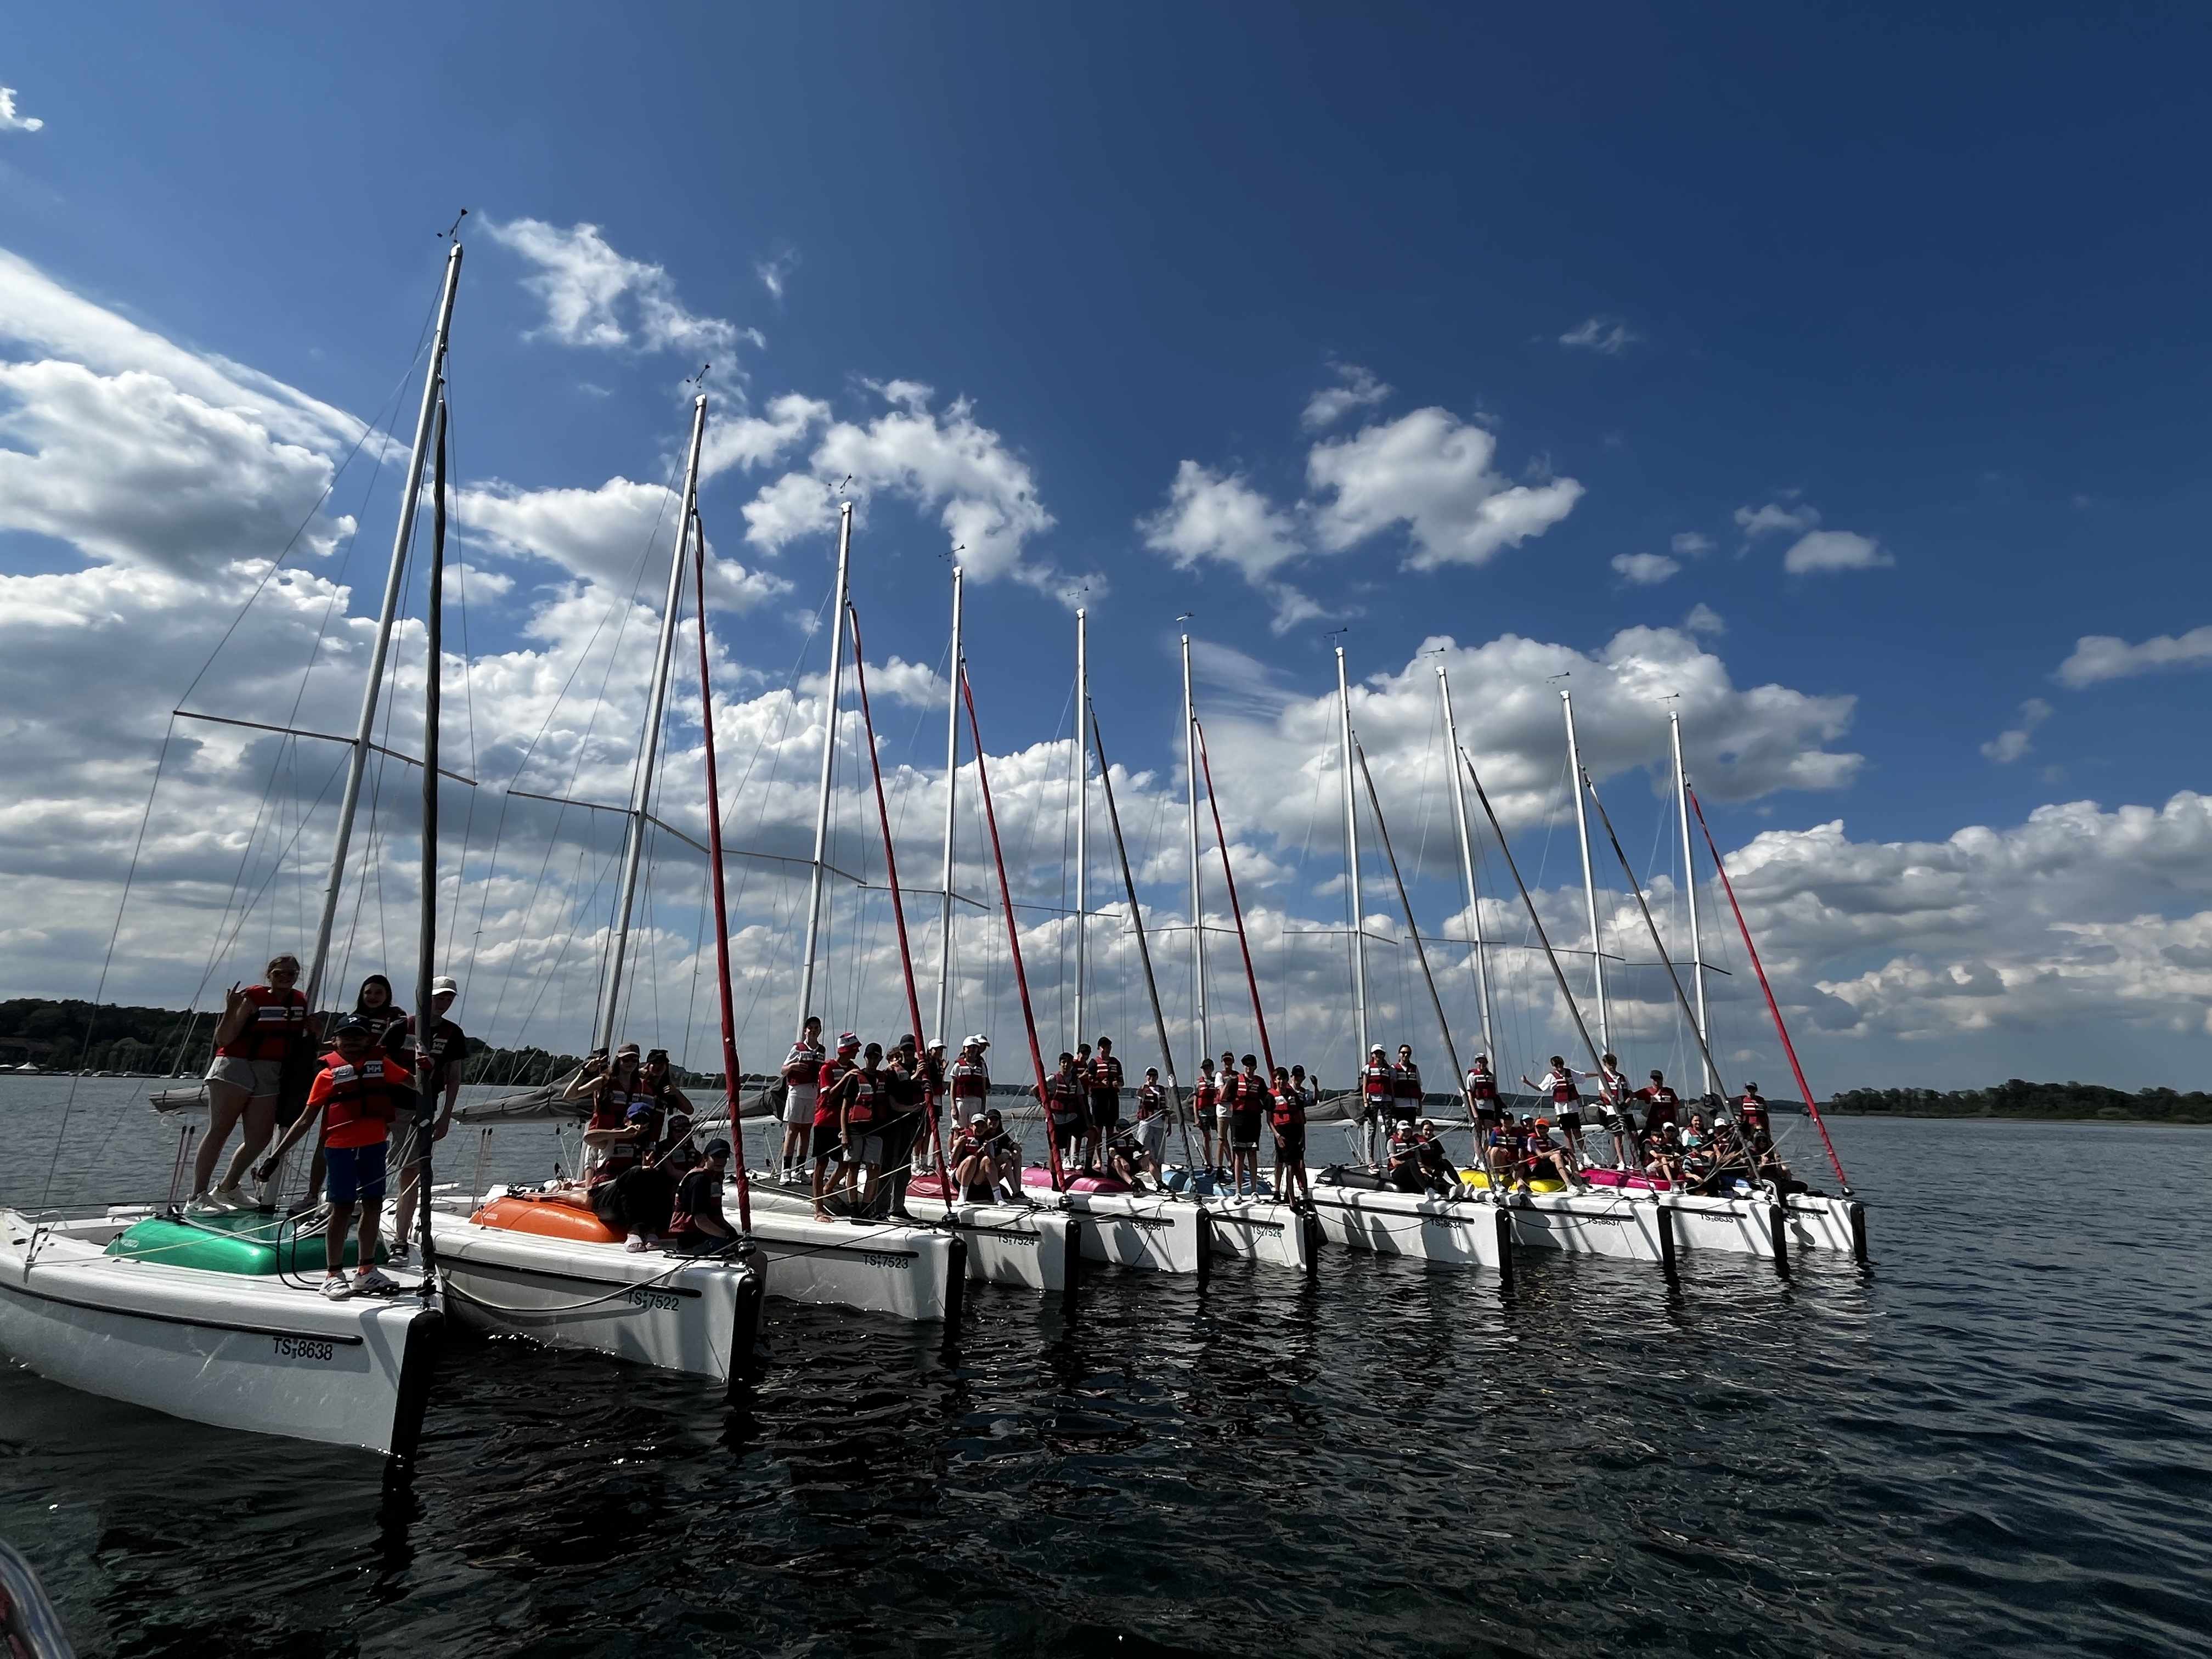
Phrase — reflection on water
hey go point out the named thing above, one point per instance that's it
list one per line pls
(1994, 1441)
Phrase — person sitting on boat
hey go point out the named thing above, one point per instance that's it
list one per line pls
(697, 1226)
(1152, 1117)
(971, 1081)
(1204, 1097)
(1287, 1117)
(802, 1083)
(1614, 1099)
(906, 1097)
(436, 1073)
(1403, 1169)
(1482, 1094)
(1247, 1112)
(353, 1100)
(1541, 1154)
(1066, 1119)
(1435, 1163)
(1406, 1087)
(973, 1173)
(1124, 1160)
(1105, 1081)
(829, 1121)
(1664, 1154)
(1566, 1102)
(261, 1026)
(864, 1112)
(1378, 1098)
(1501, 1152)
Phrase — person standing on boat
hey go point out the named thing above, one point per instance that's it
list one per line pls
(1066, 1119)
(864, 1111)
(924, 1159)
(829, 1119)
(1246, 1113)
(906, 1098)
(1205, 1096)
(971, 1081)
(374, 1007)
(1405, 1088)
(1106, 1081)
(802, 1081)
(354, 1101)
(1662, 1105)
(1751, 1111)
(261, 1025)
(1559, 1083)
(698, 1226)
(1379, 1098)
(437, 1076)
(1286, 1116)
(1482, 1095)
(1152, 1117)
(1620, 1116)
(1088, 1158)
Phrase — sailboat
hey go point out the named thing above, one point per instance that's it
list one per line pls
(216, 1318)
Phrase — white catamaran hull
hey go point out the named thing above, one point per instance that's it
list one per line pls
(1260, 1229)
(1139, 1230)
(677, 1313)
(240, 1352)
(909, 1273)
(1028, 1248)
(1464, 1232)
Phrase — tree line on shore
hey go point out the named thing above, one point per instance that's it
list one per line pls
(2016, 1097)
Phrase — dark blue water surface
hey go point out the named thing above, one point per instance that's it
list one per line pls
(1998, 1439)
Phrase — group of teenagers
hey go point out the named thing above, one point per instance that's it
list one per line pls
(646, 1175)
(361, 1081)
(1647, 1127)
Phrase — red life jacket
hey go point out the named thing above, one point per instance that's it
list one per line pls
(1562, 1085)
(1663, 1102)
(860, 1106)
(1288, 1109)
(1207, 1096)
(1106, 1075)
(1752, 1108)
(621, 1155)
(1063, 1097)
(971, 1080)
(279, 1017)
(1151, 1100)
(1378, 1083)
(1405, 1082)
(825, 1115)
(1482, 1085)
(356, 1101)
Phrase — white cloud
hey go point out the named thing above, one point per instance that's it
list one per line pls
(596, 297)
(2099, 657)
(1645, 569)
(9, 120)
(2012, 744)
(1431, 472)
(1821, 551)
(775, 272)
(1356, 388)
(1704, 619)
(1608, 335)
(1213, 515)
(749, 441)
(1691, 544)
(1773, 518)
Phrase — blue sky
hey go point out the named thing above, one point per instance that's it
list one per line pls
(1904, 301)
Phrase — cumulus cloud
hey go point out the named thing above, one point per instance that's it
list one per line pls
(2100, 657)
(9, 120)
(1608, 335)
(1645, 569)
(1221, 517)
(2012, 744)
(1774, 519)
(596, 297)
(1691, 544)
(774, 273)
(1432, 472)
(1356, 388)
(1821, 551)
(1704, 619)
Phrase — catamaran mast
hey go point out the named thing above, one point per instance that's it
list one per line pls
(952, 787)
(1082, 807)
(1690, 892)
(1420, 954)
(1478, 958)
(642, 793)
(1197, 899)
(365, 732)
(1590, 878)
(829, 762)
(426, 943)
(1351, 870)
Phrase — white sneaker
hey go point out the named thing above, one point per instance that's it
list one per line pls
(371, 1282)
(229, 1198)
(337, 1286)
(201, 1204)
(636, 1242)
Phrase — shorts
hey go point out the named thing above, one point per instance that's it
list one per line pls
(1571, 1123)
(1105, 1114)
(1065, 1135)
(1243, 1131)
(828, 1142)
(1152, 1136)
(1290, 1145)
(260, 1079)
(798, 1108)
(352, 1174)
(403, 1149)
(1487, 1112)
(868, 1149)
(1619, 1123)
(1399, 1112)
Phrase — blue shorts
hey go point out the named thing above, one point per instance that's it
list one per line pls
(353, 1173)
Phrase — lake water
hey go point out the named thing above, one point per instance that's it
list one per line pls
(1997, 1440)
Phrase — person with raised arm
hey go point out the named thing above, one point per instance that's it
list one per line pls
(1614, 1098)
(802, 1083)
(261, 1026)
(354, 1101)
(1559, 1083)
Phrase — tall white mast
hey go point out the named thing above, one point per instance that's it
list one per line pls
(952, 784)
(1352, 871)
(829, 763)
(1197, 899)
(1589, 877)
(1690, 893)
(642, 793)
(1082, 805)
(433, 382)
(1466, 866)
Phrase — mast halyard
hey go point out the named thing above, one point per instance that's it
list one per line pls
(426, 1017)
(829, 762)
(365, 732)
(952, 790)
(1351, 870)
(1690, 894)
(1478, 958)
(1412, 928)
(1082, 808)
(1589, 879)
(642, 793)
(1197, 893)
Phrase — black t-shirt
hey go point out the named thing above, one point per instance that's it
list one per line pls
(700, 1193)
(449, 1046)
